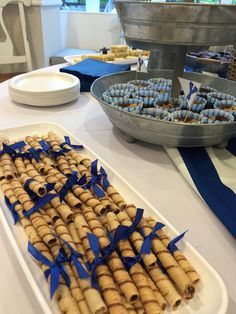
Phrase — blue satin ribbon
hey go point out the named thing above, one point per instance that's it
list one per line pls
(39, 204)
(147, 243)
(45, 145)
(111, 247)
(49, 186)
(35, 153)
(171, 246)
(55, 268)
(71, 181)
(98, 260)
(95, 180)
(82, 181)
(12, 209)
(129, 262)
(124, 232)
(68, 142)
(31, 193)
(11, 149)
(103, 178)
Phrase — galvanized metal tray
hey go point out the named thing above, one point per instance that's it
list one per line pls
(161, 132)
(146, 25)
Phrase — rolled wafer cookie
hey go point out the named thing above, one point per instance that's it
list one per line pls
(115, 265)
(175, 272)
(137, 240)
(38, 222)
(137, 273)
(20, 166)
(178, 255)
(70, 198)
(105, 281)
(34, 185)
(8, 168)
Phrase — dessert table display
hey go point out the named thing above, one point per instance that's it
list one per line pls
(160, 183)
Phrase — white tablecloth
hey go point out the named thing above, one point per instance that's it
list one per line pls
(146, 167)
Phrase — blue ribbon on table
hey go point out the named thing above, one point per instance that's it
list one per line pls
(129, 262)
(103, 178)
(68, 142)
(82, 273)
(146, 246)
(124, 232)
(71, 181)
(55, 268)
(171, 246)
(39, 204)
(98, 260)
(12, 209)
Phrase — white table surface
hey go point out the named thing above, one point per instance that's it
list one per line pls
(147, 167)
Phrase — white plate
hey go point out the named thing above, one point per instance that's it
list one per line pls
(43, 82)
(211, 295)
(70, 60)
(44, 88)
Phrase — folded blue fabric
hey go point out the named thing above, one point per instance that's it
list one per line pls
(219, 197)
(89, 70)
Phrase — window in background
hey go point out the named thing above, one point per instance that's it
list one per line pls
(88, 5)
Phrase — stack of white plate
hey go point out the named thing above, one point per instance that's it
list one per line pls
(44, 88)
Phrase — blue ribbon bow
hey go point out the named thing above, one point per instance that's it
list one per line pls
(12, 209)
(124, 232)
(129, 262)
(11, 149)
(146, 246)
(39, 204)
(71, 181)
(82, 181)
(35, 153)
(74, 258)
(68, 142)
(171, 246)
(55, 268)
(95, 179)
(103, 178)
(98, 260)
(111, 247)
(45, 146)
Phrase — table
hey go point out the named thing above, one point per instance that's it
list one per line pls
(147, 167)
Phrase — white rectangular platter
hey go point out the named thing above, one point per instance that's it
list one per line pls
(211, 295)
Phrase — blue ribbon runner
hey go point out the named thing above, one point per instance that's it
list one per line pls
(98, 260)
(171, 246)
(124, 232)
(39, 204)
(71, 181)
(105, 182)
(55, 268)
(12, 209)
(147, 243)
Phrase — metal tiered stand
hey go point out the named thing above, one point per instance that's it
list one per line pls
(169, 30)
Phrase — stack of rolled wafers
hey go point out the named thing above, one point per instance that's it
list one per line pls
(120, 277)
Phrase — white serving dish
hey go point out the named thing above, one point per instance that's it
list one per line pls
(71, 60)
(211, 295)
(44, 88)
